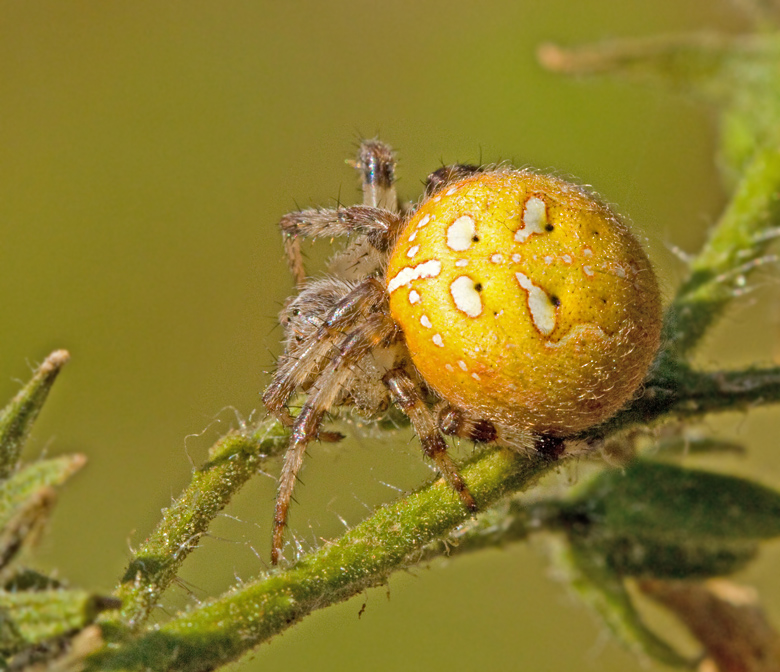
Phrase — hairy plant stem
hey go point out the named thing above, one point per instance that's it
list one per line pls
(685, 394)
(734, 249)
(391, 539)
(233, 459)
(396, 536)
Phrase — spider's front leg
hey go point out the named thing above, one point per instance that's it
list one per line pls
(376, 224)
(377, 330)
(407, 395)
(377, 218)
(376, 163)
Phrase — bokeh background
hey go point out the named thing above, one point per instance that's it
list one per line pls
(147, 151)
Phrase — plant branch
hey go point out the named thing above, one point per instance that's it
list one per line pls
(232, 461)
(734, 249)
(710, 64)
(393, 538)
(396, 536)
(685, 394)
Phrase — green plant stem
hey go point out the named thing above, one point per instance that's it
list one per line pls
(710, 64)
(232, 461)
(685, 394)
(17, 418)
(393, 538)
(606, 593)
(733, 250)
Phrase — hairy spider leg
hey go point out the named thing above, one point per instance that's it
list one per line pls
(377, 330)
(376, 164)
(455, 422)
(376, 224)
(294, 371)
(407, 395)
(445, 175)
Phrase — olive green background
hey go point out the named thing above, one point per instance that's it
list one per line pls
(147, 150)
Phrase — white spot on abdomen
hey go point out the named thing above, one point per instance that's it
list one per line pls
(412, 251)
(541, 308)
(496, 258)
(460, 233)
(425, 321)
(428, 269)
(462, 262)
(437, 339)
(423, 221)
(466, 296)
(534, 219)
(414, 297)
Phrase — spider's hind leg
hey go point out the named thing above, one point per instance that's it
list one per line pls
(455, 422)
(407, 395)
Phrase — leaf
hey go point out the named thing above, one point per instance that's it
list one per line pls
(31, 618)
(17, 418)
(665, 521)
(26, 499)
(604, 591)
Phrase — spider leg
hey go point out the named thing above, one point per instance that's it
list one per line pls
(408, 397)
(445, 175)
(378, 225)
(377, 330)
(454, 422)
(309, 359)
(376, 163)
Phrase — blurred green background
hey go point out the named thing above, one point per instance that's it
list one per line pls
(147, 151)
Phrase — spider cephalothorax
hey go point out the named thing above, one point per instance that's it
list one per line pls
(504, 307)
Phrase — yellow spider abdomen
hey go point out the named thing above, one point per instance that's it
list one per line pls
(525, 301)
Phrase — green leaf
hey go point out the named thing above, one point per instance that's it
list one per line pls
(17, 418)
(30, 618)
(26, 499)
(665, 521)
(604, 591)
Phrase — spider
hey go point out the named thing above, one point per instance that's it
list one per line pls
(506, 307)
